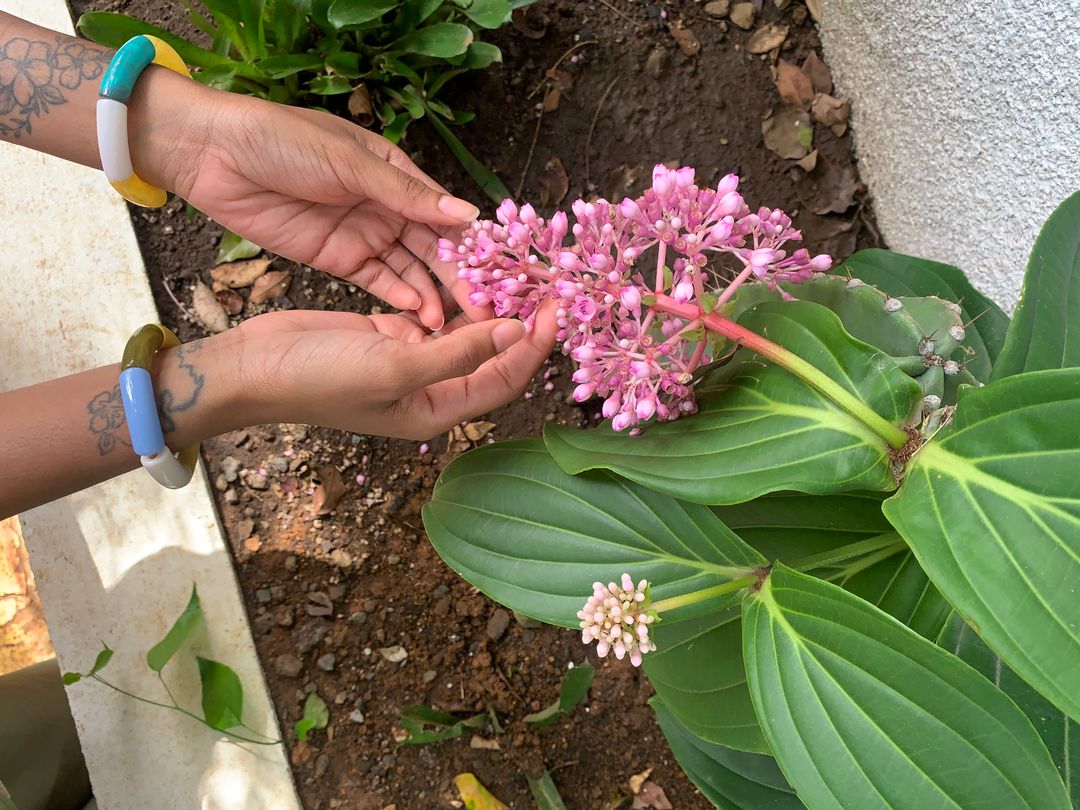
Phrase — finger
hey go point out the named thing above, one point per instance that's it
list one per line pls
(405, 327)
(375, 178)
(414, 273)
(461, 353)
(424, 244)
(496, 382)
(380, 280)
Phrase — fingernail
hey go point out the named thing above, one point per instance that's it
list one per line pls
(506, 334)
(459, 209)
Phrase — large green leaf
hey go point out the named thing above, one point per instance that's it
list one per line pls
(1059, 733)
(900, 275)
(991, 507)
(697, 668)
(443, 40)
(731, 780)
(1040, 336)
(512, 523)
(790, 526)
(759, 428)
(860, 711)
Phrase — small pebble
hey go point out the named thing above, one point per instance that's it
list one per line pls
(430, 675)
(357, 716)
(360, 479)
(258, 480)
(424, 448)
(358, 618)
(230, 468)
(263, 596)
(395, 654)
(392, 559)
(288, 666)
(290, 563)
(326, 662)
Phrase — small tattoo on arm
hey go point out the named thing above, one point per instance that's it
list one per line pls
(172, 402)
(35, 76)
(107, 420)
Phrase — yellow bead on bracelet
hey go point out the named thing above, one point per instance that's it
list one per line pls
(117, 84)
(140, 409)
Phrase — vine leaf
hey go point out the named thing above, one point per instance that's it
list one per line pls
(182, 628)
(992, 511)
(1040, 336)
(861, 711)
(222, 695)
(510, 521)
(760, 429)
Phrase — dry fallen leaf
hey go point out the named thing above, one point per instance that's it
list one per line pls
(638, 779)
(208, 309)
(814, 7)
(483, 742)
(818, 73)
(651, 797)
(551, 99)
(554, 183)
(832, 112)
(231, 301)
(360, 106)
(794, 85)
(270, 286)
(829, 188)
(530, 21)
(787, 131)
(329, 492)
(685, 39)
(766, 38)
(475, 431)
(475, 795)
(742, 14)
(239, 274)
(809, 162)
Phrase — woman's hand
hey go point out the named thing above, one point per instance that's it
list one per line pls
(308, 186)
(382, 374)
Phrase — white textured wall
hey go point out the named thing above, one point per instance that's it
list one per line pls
(967, 123)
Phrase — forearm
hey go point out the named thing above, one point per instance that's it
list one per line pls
(48, 95)
(67, 434)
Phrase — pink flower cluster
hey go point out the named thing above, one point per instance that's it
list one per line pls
(617, 618)
(631, 348)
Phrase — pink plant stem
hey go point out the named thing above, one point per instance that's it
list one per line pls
(790, 361)
(661, 255)
(699, 351)
(725, 296)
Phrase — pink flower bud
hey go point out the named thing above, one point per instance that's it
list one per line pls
(621, 421)
(631, 298)
(730, 204)
(612, 405)
(684, 291)
(630, 209)
(584, 391)
(507, 212)
(645, 409)
(728, 183)
(821, 262)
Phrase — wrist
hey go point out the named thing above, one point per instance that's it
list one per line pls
(170, 125)
(200, 390)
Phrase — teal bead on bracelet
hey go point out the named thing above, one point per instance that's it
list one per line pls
(129, 62)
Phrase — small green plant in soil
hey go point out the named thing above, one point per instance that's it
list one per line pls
(222, 693)
(833, 512)
(384, 60)
(428, 725)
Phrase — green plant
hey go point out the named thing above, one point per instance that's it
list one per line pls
(850, 568)
(222, 693)
(390, 58)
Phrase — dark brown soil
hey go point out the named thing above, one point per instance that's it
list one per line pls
(629, 98)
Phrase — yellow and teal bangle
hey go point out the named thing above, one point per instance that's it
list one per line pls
(124, 69)
(140, 409)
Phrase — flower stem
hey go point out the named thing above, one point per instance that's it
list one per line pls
(830, 558)
(790, 361)
(729, 291)
(694, 597)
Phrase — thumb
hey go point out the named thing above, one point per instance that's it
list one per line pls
(401, 192)
(463, 351)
